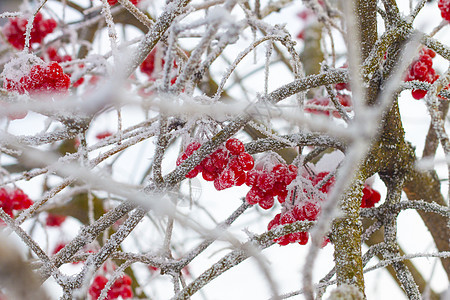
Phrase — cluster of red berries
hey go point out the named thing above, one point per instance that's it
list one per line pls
(54, 220)
(42, 80)
(15, 30)
(422, 70)
(14, 199)
(444, 6)
(227, 166)
(148, 66)
(343, 99)
(305, 210)
(310, 209)
(120, 288)
(114, 2)
(53, 55)
(266, 184)
(288, 218)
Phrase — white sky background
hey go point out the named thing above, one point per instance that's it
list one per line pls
(246, 281)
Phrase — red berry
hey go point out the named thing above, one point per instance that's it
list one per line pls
(96, 288)
(181, 158)
(227, 178)
(287, 218)
(299, 213)
(283, 241)
(103, 135)
(194, 172)
(275, 222)
(303, 238)
(280, 171)
(240, 178)
(54, 220)
(311, 210)
(148, 65)
(291, 174)
(246, 161)
(234, 165)
(208, 176)
(191, 148)
(235, 146)
(370, 197)
(418, 94)
(266, 202)
(319, 102)
(281, 195)
(254, 196)
(114, 2)
(252, 177)
(327, 186)
(121, 287)
(265, 181)
(325, 241)
(444, 6)
(58, 248)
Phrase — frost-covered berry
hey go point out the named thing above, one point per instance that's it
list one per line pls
(235, 146)
(266, 181)
(114, 2)
(254, 196)
(227, 178)
(54, 220)
(444, 6)
(267, 201)
(370, 197)
(58, 248)
(15, 30)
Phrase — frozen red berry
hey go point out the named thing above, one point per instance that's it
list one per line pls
(54, 220)
(266, 202)
(114, 2)
(266, 181)
(254, 196)
(58, 248)
(235, 146)
(370, 197)
(103, 135)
